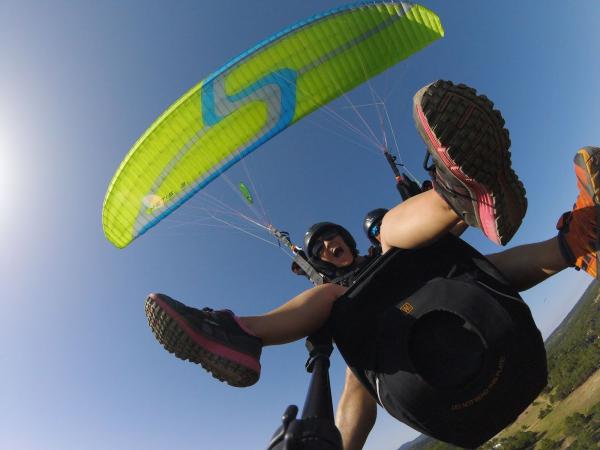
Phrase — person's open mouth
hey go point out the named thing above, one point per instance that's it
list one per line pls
(337, 252)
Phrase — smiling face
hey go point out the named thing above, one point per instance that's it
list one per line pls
(335, 251)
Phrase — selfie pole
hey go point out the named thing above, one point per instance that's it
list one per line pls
(316, 429)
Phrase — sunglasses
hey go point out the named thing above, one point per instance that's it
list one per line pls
(317, 249)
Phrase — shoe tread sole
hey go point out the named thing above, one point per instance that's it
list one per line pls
(470, 134)
(176, 341)
(587, 170)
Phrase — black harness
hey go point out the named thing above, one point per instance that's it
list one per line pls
(441, 341)
(347, 277)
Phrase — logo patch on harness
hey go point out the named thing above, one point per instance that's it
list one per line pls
(407, 308)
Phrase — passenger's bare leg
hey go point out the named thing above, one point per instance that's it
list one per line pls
(417, 221)
(297, 318)
(356, 413)
(527, 265)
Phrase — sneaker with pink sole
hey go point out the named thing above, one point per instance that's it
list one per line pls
(216, 340)
(468, 143)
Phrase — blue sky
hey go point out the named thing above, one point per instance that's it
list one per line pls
(80, 81)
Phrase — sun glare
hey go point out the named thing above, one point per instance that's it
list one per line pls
(9, 173)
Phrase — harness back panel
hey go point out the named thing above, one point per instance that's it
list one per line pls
(442, 342)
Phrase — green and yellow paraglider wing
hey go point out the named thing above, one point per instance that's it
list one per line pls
(251, 99)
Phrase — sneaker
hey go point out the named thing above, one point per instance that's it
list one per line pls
(468, 143)
(578, 229)
(214, 339)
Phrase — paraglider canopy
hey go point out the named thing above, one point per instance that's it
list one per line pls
(251, 99)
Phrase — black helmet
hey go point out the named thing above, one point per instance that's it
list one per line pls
(319, 230)
(372, 219)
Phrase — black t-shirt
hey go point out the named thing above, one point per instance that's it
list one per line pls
(348, 275)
